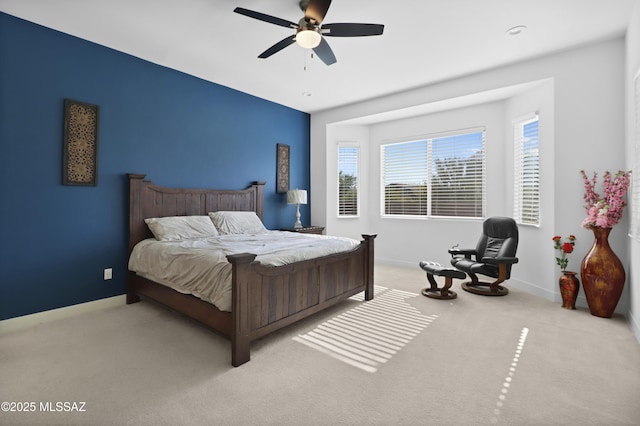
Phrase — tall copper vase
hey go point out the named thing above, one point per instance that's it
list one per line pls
(602, 275)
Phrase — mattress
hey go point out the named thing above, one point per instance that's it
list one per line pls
(199, 266)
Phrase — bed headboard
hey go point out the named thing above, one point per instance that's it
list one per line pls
(149, 200)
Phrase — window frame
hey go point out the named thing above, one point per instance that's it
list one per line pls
(518, 179)
(358, 191)
(429, 138)
(634, 196)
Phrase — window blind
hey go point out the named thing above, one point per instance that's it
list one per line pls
(348, 184)
(526, 199)
(458, 175)
(404, 174)
(439, 176)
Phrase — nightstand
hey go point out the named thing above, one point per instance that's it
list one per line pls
(306, 229)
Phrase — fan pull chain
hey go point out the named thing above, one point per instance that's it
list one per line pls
(305, 60)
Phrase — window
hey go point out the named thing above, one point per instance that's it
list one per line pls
(634, 230)
(348, 183)
(526, 199)
(440, 176)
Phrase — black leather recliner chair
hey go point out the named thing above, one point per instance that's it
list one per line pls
(493, 256)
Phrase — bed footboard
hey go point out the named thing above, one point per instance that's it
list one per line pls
(265, 299)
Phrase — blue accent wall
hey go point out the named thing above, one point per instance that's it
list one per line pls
(178, 129)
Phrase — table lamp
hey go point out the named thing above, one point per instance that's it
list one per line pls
(297, 197)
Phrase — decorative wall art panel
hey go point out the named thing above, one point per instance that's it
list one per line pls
(80, 156)
(282, 170)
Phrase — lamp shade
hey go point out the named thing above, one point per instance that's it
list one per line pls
(297, 196)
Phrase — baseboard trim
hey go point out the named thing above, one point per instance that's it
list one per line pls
(394, 262)
(27, 321)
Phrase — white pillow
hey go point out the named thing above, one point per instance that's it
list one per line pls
(240, 222)
(176, 228)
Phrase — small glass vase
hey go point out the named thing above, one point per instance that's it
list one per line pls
(569, 287)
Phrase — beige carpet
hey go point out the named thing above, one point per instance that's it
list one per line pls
(402, 359)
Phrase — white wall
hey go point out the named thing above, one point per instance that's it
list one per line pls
(587, 132)
(336, 134)
(536, 248)
(633, 67)
(407, 241)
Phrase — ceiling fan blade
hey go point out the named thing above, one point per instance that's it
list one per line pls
(316, 10)
(264, 17)
(352, 30)
(325, 53)
(278, 46)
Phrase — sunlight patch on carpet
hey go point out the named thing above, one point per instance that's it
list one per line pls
(508, 380)
(370, 334)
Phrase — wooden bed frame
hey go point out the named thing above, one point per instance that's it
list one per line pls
(264, 299)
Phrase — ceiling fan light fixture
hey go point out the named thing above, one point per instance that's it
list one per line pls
(310, 31)
(308, 39)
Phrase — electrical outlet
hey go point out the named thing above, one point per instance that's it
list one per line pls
(108, 273)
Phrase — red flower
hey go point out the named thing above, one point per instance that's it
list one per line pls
(564, 248)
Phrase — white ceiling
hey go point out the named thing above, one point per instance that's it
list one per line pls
(424, 41)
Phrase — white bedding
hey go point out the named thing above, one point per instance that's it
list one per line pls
(199, 266)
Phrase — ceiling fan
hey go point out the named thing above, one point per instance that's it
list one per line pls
(310, 31)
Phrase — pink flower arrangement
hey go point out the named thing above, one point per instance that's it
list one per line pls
(605, 211)
(564, 249)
